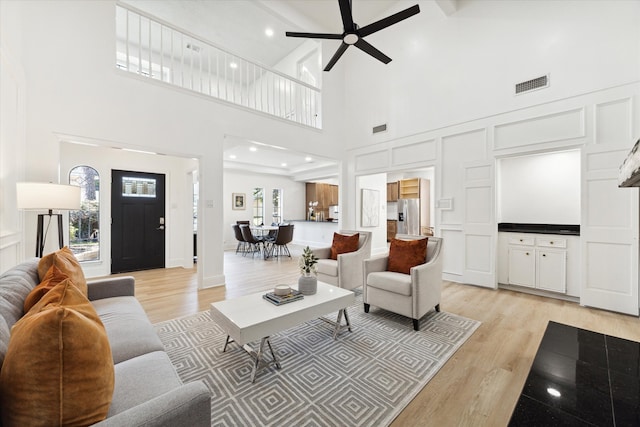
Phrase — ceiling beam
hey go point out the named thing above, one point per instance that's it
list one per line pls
(448, 7)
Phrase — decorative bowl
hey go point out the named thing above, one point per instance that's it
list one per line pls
(282, 290)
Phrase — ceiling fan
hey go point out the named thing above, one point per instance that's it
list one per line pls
(354, 35)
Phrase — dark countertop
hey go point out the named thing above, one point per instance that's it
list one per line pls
(562, 229)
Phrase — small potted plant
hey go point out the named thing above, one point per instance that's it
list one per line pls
(308, 282)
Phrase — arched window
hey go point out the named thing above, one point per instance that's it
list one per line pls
(84, 224)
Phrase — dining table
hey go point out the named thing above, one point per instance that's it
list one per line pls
(260, 231)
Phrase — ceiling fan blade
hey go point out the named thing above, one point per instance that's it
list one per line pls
(389, 20)
(314, 35)
(336, 56)
(347, 15)
(368, 48)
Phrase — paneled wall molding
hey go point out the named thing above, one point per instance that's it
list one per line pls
(558, 126)
(613, 121)
(11, 250)
(413, 153)
(570, 114)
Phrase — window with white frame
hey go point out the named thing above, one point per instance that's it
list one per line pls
(84, 224)
(258, 206)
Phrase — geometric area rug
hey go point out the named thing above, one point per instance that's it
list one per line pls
(363, 378)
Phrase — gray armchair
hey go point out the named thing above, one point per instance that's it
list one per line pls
(347, 271)
(411, 295)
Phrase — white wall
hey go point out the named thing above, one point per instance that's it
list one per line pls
(72, 88)
(179, 201)
(540, 188)
(448, 70)
(244, 182)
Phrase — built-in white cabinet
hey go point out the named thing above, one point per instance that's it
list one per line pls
(539, 261)
(522, 267)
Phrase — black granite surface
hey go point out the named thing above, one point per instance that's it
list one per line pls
(517, 227)
(581, 378)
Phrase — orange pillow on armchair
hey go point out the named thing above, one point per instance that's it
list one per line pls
(343, 244)
(404, 254)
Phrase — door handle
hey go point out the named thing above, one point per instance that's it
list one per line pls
(160, 228)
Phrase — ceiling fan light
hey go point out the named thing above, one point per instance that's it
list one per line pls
(351, 38)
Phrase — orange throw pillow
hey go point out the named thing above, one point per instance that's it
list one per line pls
(51, 279)
(67, 263)
(342, 244)
(58, 369)
(404, 254)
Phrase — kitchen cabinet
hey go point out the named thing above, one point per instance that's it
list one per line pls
(539, 261)
(409, 188)
(392, 229)
(325, 194)
(392, 191)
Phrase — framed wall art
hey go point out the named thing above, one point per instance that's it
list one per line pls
(239, 201)
(370, 208)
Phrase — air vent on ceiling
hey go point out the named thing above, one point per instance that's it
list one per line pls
(380, 128)
(533, 84)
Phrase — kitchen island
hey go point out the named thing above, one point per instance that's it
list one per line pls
(315, 234)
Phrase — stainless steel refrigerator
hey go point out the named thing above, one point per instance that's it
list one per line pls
(409, 216)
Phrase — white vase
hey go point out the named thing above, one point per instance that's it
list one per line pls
(308, 285)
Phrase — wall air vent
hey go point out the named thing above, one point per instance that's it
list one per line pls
(380, 128)
(533, 84)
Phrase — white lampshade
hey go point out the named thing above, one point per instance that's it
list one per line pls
(41, 195)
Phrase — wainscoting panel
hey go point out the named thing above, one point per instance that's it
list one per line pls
(616, 277)
(457, 150)
(10, 251)
(613, 122)
(452, 241)
(478, 254)
(372, 161)
(413, 153)
(536, 130)
(609, 233)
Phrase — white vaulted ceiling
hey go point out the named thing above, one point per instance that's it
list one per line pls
(238, 26)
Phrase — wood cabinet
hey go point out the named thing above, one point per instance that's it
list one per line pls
(410, 188)
(392, 191)
(325, 194)
(392, 229)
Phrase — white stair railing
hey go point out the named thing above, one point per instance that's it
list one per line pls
(151, 48)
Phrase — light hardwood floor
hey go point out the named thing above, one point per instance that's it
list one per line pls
(480, 384)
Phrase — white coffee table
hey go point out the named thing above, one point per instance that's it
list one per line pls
(251, 318)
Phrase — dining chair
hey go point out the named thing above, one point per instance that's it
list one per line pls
(254, 242)
(284, 237)
(241, 242)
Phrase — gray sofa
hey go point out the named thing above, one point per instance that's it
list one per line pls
(147, 390)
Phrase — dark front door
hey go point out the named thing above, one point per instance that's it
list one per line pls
(137, 221)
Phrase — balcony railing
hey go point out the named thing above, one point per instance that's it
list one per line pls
(155, 49)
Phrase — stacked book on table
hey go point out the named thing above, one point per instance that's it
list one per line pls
(283, 299)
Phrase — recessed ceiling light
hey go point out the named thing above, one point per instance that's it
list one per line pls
(307, 159)
(233, 65)
(232, 156)
(283, 164)
(268, 32)
(253, 148)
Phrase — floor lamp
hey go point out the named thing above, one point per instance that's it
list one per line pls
(47, 196)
